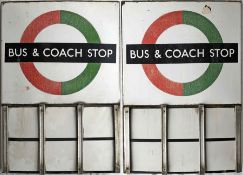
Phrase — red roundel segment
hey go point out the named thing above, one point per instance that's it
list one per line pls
(29, 69)
(152, 34)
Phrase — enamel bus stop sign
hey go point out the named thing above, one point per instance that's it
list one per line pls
(60, 52)
(182, 53)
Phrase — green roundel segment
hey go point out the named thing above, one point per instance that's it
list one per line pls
(91, 35)
(214, 69)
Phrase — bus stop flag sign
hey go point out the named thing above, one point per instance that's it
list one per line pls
(213, 48)
(37, 54)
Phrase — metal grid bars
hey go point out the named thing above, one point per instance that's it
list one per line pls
(44, 140)
(182, 139)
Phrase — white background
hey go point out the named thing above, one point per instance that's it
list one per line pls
(103, 16)
(224, 15)
(140, 94)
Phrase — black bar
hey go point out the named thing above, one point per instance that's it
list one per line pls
(191, 172)
(145, 140)
(182, 53)
(98, 172)
(98, 138)
(11, 139)
(219, 139)
(25, 172)
(182, 140)
(60, 52)
(222, 171)
(61, 139)
(61, 172)
(146, 172)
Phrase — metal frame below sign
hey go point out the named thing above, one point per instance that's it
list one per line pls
(42, 139)
(202, 167)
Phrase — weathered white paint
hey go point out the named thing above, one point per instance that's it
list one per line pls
(103, 89)
(183, 157)
(147, 156)
(137, 87)
(23, 122)
(23, 156)
(220, 123)
(220, 155)
(97, 122)
(146, 123)
(60, 156)
(60, 122)
(98, 155)
(183, 123)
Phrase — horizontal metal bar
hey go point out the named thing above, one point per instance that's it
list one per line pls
(224, 171)
(145, 140)
(112, 104)
(61, 172)
(61, 139)
(189, 172)
(98, 171)
(137, 1)
(112, 138)
(155, 172)
(61, 105)
(145, 172)
(11, 139)
(112, 1)
(219, 139)
(99, 139)
(182, 140)
(183, 106)
(24, 172)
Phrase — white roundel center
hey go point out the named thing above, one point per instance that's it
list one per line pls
(182, 72)
(60, 33)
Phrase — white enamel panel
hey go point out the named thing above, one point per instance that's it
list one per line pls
(60, 156)
(98, 156)
(23, 156)
(183, 123)
(146, 123)
(60, 122)
(98, 122)
(23, 122)
(105, 86)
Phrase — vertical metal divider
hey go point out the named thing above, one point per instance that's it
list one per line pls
(80, 138)
(164, 134)
(5, 138)
(238, 138)
(127, 131)
(117, 138)
(202, 146)
(1, 146)
(41, 115)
